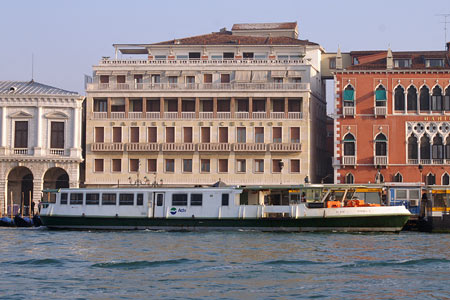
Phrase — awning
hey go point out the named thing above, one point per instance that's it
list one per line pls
(242, 76)
(292, 73)
(349, 95)
(278, 73)
(176, 73)
(188, 73)
(259, 76)
(380, 95)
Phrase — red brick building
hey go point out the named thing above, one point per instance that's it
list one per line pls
(393, 117)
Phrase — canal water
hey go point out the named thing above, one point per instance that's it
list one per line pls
(43, 264)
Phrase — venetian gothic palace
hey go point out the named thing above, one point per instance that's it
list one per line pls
(244, 106)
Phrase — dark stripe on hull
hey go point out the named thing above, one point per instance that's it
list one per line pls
(371, 223)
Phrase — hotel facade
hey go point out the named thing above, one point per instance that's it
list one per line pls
(245, 106)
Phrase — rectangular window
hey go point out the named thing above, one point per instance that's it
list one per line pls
(259, 134)
(182, 57)
(98, 165)
(205, 166)
(207, 78)
(223, 165)
(104, 78)
(187, 165)
(76, 198)
(224, 78)
(156, 78)
(276, 165)
(223, 134)
(196, 199)
(190, 79)
(159, 199)
(21, 134)
(121, 78)
(100, 105)
(295, 134)
(228, 55)
(170, 134)
(126, 199)
(241, 135)
(140, 199)
(99, 135)
(117, 134)
(247, 55)
(206, 134)
(160, 57)
(134, 165)
(63, 198)
(194, 55)
(117, 165)
(135, 105)
(138, 78)
(434, 62)
(241, 165)
(225, 199)
(332, 64)
(173, 79)
(170, 165)
(179, 199)
(57, 135)
(92, 199)
(152, 135)
(259, 165)
(402, 63)
(109, 199)
(151, 165)
(277, 134)
(401, 194)
(134, 135)
(295, 166)
(187, 134)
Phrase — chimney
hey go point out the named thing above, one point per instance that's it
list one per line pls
(389, 60)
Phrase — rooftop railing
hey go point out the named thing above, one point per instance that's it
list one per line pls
(201, 62)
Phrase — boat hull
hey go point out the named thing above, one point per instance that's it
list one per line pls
(388, 223)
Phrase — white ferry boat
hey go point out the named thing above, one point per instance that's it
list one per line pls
(214, 208)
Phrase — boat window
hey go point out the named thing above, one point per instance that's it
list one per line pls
(108, 199)
(140, 199)
(179, 199)
(196, 199)
(414, 194)
(159, 199)
(126, 199)
(92, 199)
(76, 198)
(401, 194)
(64, 198)
(225, 199)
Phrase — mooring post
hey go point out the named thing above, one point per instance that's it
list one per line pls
(29, 208)
(11, 212)
(22, 204)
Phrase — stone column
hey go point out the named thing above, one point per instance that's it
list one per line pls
(286, 107)
(179, 107)
(250, 107)
(4, 131)
(144, 107)
(127, 107)
(161, 107)
(215, 107)
(38, 147)
(268, 107)
(75, 151)
(109, 101)
(197, 107)
(232, 107)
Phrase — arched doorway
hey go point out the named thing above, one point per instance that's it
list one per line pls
(20, 189)
(56, 178)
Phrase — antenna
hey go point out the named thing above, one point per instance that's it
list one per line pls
(445, 25)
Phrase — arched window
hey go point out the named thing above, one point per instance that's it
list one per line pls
(399, 98)
(431, 179)
(424, 99)
(349, 96)
(447, 99)
(447, 148)
(349, 178)
(398, 177)
(425, 147)
(349, 145)
(412, 147)
(445, 179)
(437, 148)
(412, 98)
(436, 99)
(381, 145)
(380, 96)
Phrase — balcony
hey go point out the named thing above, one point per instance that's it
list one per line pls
(135, 115)
(118, 115)
(56, 152)
(206, 115)
(21, 151)
(214, 147)
(241, 115)
(380, 161)
(188, 115)
(171, 115)
(288, 147)
(107, 147)
(277, 115)
(258, 147)
(380, 111)
(348, 160)
(348, 111)
(413, 161)
(259, 115)
(100, 115)
(182, 62)
(178, 147)
(142, 147)
(223, 115)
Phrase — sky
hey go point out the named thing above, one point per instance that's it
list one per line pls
(66, 38)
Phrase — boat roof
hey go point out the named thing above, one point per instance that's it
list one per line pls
(140, 189)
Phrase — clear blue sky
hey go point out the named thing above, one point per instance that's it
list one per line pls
(68, 37)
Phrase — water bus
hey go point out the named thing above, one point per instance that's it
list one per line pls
(308, 208)
(436, 203)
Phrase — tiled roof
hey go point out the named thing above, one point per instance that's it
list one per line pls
(264, 26)
(31, 88)
(226, 38)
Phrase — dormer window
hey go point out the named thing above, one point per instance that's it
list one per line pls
(434, 62)
(228, 55)
(402, 63)
(248, 55)
(355, 60)
(194, 55)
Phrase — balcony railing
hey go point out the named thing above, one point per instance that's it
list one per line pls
(153, 115)
(289, 147)
(277, 115)
(426, 161)
(107, 147)
(380, 111)
(214, 147)
(223, 115)
(259, 115)
(178, 147)
(139, 147)
(199, 86)
(241, 115)
(188, 115)
(380, 160)
(171, 115)
(21, 151)
(57, 152)
(250, 147)
(349, 160)
(201, 62)
(118, 115)
(100, 115)
(349, 111)
(206, 115)
(295, 115)
(135, 115)
(413, 161)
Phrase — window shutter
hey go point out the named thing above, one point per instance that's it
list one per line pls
(349, 95)
(380, 95)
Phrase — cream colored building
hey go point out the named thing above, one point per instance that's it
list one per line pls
(245, 106)
(40, 141)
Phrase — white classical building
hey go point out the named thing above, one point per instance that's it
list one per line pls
(40, 141)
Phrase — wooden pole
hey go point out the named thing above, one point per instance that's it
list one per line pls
(21, 204)
(29, 208)
(11, 212)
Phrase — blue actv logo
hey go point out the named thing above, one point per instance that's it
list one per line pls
(173, 211)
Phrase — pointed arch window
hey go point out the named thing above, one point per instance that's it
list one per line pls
(349, 145)
(445, 179)
(437, 148)
(425, 147)
(447, 148)
(381, 145)
(412, 148)
(349, 96)
(380, 96)
(447, 99)
(398, 177)
(349, 178)
(424, 98)
(431, 179)
(436, 99)
(412, 98)
(399, 98)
